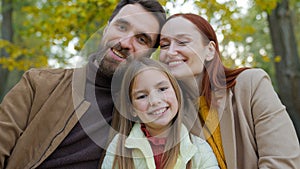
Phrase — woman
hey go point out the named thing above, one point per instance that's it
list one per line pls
(243, 119)
(151, 133)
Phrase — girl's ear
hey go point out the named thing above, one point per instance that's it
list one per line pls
(211, 50)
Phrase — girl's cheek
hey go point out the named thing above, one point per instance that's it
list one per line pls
(140, 105)
(170, 94)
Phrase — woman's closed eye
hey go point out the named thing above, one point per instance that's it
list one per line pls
(164, 45)
(182, 42)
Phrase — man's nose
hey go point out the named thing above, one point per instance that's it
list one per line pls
(127, 43)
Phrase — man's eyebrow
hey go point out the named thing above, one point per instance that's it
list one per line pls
(147, 36)
(122, 21)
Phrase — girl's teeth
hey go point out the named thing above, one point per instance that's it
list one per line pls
(175, 63)
(159, 111)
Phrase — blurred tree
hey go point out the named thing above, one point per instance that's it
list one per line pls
(288, 68)
(7, 35)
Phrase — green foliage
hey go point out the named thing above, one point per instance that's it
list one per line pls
(44, 29)
(20, 58)
(266, 6)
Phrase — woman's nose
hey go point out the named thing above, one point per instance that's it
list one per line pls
(172, 51)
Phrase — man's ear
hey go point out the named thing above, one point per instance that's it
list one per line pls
(211, 50)
(106, 27)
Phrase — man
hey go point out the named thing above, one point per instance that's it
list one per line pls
(59, 118)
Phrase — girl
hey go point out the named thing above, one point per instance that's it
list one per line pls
(152, 135)
(244, 121)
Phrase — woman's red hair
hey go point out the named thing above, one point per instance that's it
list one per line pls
(215, 74)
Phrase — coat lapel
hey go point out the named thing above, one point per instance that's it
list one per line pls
(78, 89)
(227, 130)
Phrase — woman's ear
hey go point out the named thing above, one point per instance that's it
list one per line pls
(211, 50)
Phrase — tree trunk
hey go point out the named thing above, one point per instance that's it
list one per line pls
(288, 69)
(7, 34)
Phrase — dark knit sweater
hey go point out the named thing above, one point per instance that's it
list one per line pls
(82, 147)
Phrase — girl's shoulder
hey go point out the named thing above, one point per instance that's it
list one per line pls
(204, 157)
(200, 143)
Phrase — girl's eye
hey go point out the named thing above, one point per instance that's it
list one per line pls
(163, 89)
(141, 97)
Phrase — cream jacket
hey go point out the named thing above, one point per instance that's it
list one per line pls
(195, 149)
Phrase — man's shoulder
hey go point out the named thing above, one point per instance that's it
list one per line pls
(42, 77)
(48, 71)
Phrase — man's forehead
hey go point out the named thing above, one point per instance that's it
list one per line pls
(136, 15)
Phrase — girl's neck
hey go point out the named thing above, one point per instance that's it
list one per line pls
(160, 132)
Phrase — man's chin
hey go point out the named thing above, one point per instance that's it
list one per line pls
(107, 68)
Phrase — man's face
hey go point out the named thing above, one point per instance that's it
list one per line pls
(132, 32)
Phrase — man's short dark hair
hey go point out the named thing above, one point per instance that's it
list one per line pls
(149, 5)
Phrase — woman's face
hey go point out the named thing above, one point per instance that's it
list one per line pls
(182, 48)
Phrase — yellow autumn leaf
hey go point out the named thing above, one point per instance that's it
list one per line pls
(266, 58)
(277, 59)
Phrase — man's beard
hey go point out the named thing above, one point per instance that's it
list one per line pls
(107, 66)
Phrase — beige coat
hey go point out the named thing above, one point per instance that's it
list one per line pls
(255, 127)
(38, 113)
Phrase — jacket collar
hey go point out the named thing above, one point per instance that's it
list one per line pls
(137, 140)
(78, 90)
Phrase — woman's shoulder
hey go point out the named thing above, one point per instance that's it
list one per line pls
(252, 73)
(251, 77)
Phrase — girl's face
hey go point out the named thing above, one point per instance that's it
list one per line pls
(154, 100)
(182, 48)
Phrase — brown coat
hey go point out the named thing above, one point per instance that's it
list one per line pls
(38, 113)
(256, 129)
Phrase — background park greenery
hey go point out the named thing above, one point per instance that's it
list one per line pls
(50, 33)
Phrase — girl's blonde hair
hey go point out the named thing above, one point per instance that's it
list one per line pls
(123, 121)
